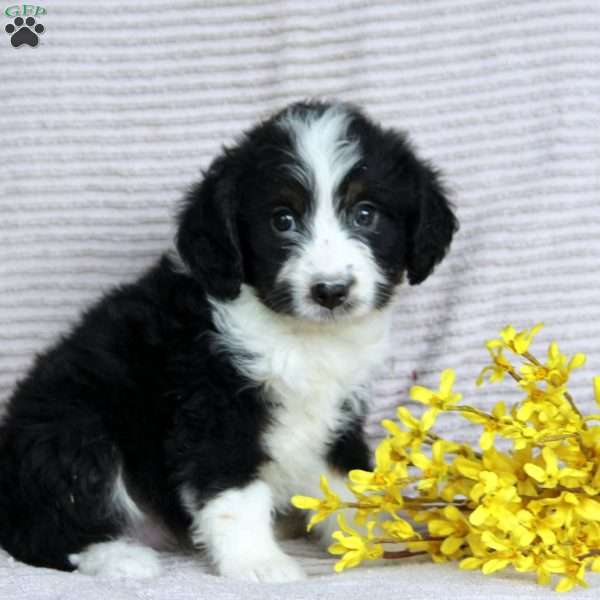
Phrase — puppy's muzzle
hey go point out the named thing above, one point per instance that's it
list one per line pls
(331, 294)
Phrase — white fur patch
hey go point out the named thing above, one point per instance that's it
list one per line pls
(140, 525)
(308, 370)
(124, 503)
(118, 558)
(178, 265)
(325, 154)
(330, 254)
(236, 528)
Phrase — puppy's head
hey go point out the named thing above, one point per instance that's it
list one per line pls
(320, 210)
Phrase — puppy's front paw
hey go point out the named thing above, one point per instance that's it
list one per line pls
(277, 568)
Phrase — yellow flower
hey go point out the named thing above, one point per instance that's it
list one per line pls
(455, 487)
(574, 575)
(517, 342)
(353, 546)
(505, 551)
(418, 429)
(489, 483)
(551, 476)
(433, 548)
(542, 525)
(496, 506)
(558, 367)
(496, 423)
(490, 473)
(597, 389)
(388, 475)
(323, 508)
(556, 371)
(454, 527)
(535, 506)
(399, 529)
(566, 508)
(509, 468)
(588, 508)
(545, 405)
(503, 554)
(438, 400)
(497, 370)
(471, 562)
(590, 438)
(432, 468)
(389, 502)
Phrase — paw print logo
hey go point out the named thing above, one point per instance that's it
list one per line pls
(24, 32)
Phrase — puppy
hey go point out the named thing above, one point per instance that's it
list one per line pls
(233, 372)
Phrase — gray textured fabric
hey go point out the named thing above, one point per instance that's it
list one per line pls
(183, 580)
(108, 120)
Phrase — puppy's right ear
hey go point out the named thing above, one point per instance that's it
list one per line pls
(207, 238)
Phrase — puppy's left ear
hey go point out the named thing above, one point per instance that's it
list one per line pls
(432, 226)
(207, 238)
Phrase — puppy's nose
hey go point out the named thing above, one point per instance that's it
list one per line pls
(330, 295)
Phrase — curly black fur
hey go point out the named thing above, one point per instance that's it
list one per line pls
(138, 385)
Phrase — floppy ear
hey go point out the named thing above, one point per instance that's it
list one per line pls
(207, 238)
(432, 227)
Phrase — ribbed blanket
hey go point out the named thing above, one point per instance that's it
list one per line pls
(109, 119)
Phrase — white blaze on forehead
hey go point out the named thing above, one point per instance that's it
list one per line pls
(329, 253)
(323, 152)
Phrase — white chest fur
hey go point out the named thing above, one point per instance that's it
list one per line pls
(307, 370)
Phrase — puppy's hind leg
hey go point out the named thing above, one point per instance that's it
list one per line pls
(60, 498)
(121, 557)
(236, 528)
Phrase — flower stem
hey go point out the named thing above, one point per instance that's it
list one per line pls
(557, 438)
(532, 359)
(409, 540)
(401, 554)
(472, 410)
(513, 374)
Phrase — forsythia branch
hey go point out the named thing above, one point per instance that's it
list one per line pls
(535, 506)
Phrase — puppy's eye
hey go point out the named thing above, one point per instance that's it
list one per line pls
(364, 215)
(283, 220)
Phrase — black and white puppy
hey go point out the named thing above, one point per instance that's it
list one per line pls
(234, 372)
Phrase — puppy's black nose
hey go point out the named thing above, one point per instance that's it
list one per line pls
(330, 295)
